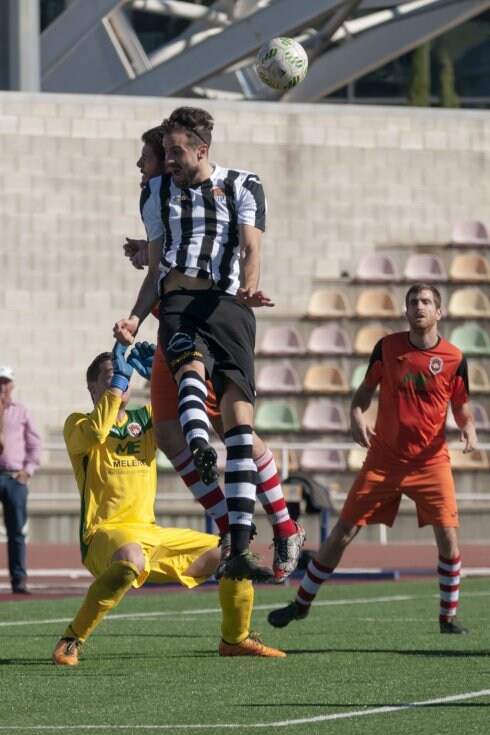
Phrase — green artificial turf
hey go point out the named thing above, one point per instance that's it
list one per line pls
(152, 666)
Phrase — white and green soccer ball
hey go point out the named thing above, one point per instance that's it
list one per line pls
(281, 63)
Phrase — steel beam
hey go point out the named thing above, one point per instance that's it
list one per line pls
(374, 48)
(242, 38)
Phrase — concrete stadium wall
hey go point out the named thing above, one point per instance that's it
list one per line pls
(340, 181)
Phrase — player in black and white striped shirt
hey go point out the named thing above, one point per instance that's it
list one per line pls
(204, 227)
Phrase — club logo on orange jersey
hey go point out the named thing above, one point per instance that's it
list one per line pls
(134, 429)
(435, 365)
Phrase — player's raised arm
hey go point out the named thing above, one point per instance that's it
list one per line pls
(125, 330)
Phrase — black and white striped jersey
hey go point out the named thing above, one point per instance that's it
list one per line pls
(199, 224)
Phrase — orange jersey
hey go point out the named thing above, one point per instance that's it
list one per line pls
(415, 387)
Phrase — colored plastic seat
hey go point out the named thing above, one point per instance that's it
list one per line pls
(482, 422)
(424, 268)
(472, 461)
(291, 460)
(478, 378)
(328, 304)
(323, 378)
(367, 337)
(278, 379)
(376, 268)
(469, 268)
(276, 416)
(355, 458)
(377, 303)
(322, 460)
(282, 341)
(471, 339)
(358, 375)
(329, 340)
(163, 463)
(470, 232)
(323, 416)
(469, 303)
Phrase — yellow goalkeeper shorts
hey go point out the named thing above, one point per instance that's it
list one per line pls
(168, 552)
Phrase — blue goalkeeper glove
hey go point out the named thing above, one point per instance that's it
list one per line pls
(141, 358)
(122, 370)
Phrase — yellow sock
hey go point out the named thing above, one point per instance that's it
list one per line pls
(103, 595)
(236, 599)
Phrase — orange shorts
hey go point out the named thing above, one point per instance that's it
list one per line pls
(376, 494)
(164, 394)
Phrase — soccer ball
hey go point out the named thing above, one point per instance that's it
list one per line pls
(281, 63)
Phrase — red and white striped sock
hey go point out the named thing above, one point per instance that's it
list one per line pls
(449, 573)
(211, 497)
(315, 576)
(270, 495)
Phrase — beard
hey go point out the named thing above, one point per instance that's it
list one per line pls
(184, 178)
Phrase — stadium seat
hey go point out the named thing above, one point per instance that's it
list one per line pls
(472, 461)
(376, 268)
(478, 378)
(329, 340)
(323, 378)
(276, 416)
(278, 379)
(324, 416)
(355, 458)
(377, 303)
(424, 268)
(469, 268)
(469, 303)
(470, 232)
(482, 422)
(163, 463)
(328, 304)
(367, 337)
(322, 460)
(292, 461)
(472, 340)
(358, 375)
(282, 341)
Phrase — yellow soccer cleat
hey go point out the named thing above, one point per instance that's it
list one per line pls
(67, 651)
(250, 646)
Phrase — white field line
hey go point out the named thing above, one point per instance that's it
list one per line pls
(249, 726)
(217, 611)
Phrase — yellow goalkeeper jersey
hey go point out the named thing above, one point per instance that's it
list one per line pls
(114, 464)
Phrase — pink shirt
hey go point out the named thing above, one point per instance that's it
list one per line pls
(22, 443)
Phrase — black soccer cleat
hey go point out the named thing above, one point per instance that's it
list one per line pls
(282, 617)
(453, 627)
(205, 459)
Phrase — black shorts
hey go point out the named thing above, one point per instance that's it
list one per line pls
(214, 328)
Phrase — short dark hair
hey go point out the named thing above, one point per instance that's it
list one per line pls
(198, 124)
(93, 369)
(418, 287)
(154, 138)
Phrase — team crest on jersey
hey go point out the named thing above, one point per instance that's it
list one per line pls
(218, 193)
(435, 365)
(134, 429)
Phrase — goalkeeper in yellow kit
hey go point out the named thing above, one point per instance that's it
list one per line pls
(112, 451)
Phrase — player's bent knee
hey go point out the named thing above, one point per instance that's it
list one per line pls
(133, 554)
(205, 565)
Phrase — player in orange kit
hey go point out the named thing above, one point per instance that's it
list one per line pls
(418, 374)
